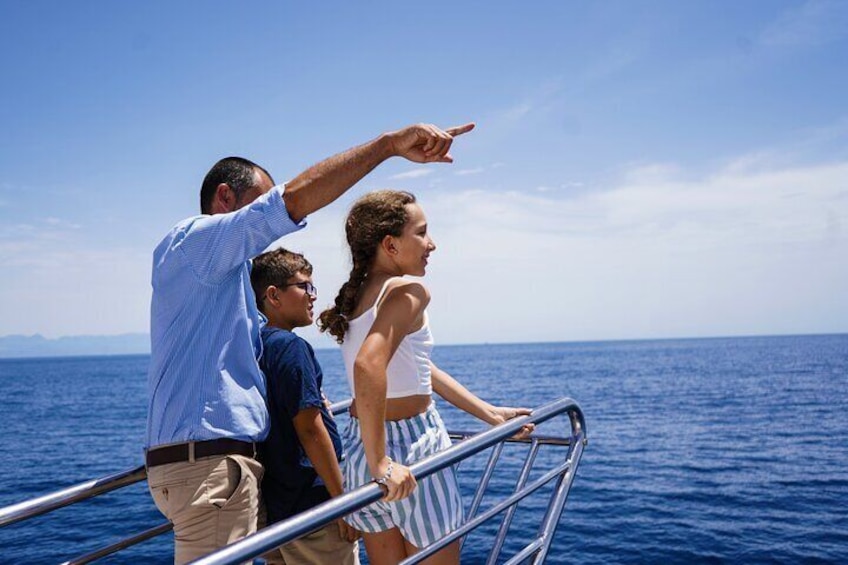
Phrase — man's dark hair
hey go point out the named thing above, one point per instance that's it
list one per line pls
(236, 172)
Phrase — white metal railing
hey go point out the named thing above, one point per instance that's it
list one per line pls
(470, 444)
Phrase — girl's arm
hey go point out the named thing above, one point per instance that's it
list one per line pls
(398, 314)
(451, 390)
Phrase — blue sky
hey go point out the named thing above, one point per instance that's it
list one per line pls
(640, 169)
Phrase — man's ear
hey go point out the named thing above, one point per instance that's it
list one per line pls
(224, 199)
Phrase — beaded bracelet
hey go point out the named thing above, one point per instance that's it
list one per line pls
(385, 478)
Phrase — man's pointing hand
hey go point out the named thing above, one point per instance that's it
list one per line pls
(426, 143)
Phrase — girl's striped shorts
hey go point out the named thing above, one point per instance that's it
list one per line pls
(434, 508)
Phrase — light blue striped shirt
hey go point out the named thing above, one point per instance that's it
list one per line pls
(204, 381)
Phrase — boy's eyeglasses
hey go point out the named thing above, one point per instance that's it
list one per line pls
(306, 286)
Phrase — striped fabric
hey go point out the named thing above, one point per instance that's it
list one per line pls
(204, 381)
(435, 508)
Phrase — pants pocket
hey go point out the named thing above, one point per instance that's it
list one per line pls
(169, 494)
(225, 482)
(234, 482)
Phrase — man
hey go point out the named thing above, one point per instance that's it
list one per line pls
(207, 408)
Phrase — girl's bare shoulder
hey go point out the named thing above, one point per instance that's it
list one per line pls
(399, 287)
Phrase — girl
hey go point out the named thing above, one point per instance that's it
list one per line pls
(380, 320)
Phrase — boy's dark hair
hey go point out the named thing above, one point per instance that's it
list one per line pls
(276, 268)
(236, 172)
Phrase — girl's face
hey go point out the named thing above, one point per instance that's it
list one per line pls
(414, 245)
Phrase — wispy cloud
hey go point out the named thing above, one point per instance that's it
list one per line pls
(60, 223)
(658, 201)
(103, 289)
(727, 251)
(537, 103)
(34, 235)
(563, 186)
(413, 174)
(663, 252)
(475, 171)
(518, 111)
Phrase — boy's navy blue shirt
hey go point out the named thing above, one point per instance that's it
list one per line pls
(294, 378)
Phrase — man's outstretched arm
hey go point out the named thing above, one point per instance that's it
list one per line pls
(320, 184)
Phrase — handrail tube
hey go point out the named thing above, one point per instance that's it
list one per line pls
(89, 489)
(82, 491)
(41, 505)
(52, 501)
(283, 532)
(506, 521)
(480, 491)
(487, 515)
(341, 406)
(121, 544)
(485, 439)
(551, 519)
(462, 435)
(288, 530)
(70, 495)
(292, 528)
(531, 548)
(494, 456)
(164, 528)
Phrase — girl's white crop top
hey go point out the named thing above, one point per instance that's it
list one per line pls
(408, 372)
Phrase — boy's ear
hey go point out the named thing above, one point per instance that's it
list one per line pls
(271, 293)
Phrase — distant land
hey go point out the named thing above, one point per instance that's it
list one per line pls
(17, 346)
(21, 346)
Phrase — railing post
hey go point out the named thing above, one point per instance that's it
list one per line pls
(507, 519)
(550, 522)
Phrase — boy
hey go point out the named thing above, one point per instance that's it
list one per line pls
(302, 452)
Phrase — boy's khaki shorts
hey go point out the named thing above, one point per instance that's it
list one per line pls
(321, 546)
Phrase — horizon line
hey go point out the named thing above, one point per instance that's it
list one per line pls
(441, 345)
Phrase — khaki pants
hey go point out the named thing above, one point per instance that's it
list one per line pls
(321, 547)
(212, 502)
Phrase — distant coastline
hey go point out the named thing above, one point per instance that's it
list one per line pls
(37, 346)
(23, 346)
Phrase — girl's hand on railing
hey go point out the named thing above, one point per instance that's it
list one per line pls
(395, 479)
(501, 414)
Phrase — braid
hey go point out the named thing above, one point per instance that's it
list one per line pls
(334, 319)
(372, 217)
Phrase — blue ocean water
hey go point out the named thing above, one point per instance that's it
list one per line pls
(728, 450)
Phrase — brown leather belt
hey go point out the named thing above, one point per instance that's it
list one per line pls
(183, 451)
